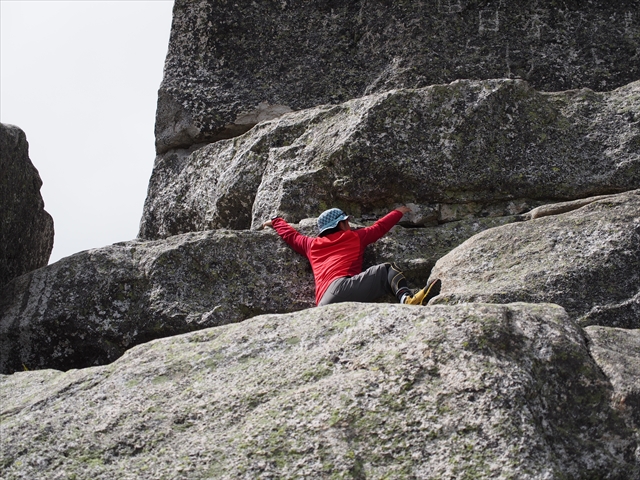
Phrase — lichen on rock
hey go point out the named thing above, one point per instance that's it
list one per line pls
(365, 391)
(617, 353)
(227, 60)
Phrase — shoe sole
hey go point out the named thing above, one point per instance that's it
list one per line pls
(433, 289)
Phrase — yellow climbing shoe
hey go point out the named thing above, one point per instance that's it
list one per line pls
(423, 296)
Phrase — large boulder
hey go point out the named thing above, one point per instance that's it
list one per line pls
(469, 148)
(344, 391)
(26, 229)
(587, 260)
(233, 64)
(89, 308)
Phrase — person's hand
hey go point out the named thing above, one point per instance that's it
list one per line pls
(267, 224)
(404, 209)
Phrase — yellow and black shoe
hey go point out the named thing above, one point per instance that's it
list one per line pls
(422, 297)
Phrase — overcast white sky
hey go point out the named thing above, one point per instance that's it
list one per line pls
(81, 77)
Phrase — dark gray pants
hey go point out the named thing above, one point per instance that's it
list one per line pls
(367, 286)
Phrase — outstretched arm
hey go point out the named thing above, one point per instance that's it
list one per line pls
(300, 243)
(377, 230)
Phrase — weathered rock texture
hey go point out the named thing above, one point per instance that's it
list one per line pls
(232, 64)
(345, 391)
(617, 353)
(587, 260)
(26, 229)
(89, 308)
(356, 104)
(478, 148)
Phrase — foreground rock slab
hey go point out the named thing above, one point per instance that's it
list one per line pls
(358, 391)
(26, 229)
(469, 148)
(233, 64)
(587, 260)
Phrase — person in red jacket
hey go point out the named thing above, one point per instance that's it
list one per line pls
(336, 257)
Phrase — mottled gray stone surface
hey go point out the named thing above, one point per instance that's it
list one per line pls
(356, 104)
(232, 64)
(587, 260)
(26, 229)
(469, 148)
(89, 308)
(617, 353)
(345, 391)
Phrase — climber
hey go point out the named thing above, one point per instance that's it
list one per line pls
(336, 256)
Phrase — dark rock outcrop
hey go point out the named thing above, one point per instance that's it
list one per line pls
(470, 148)
(587, 260)
(232, 64)
(345, 391)
(26, 229)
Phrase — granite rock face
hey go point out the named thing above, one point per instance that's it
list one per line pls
(233, 64)
(617, 352)
(587, 260)
(26, 229)
(525, 203)
(467, 149)
(345, 391)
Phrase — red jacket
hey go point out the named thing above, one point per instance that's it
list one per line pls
(337, 255)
